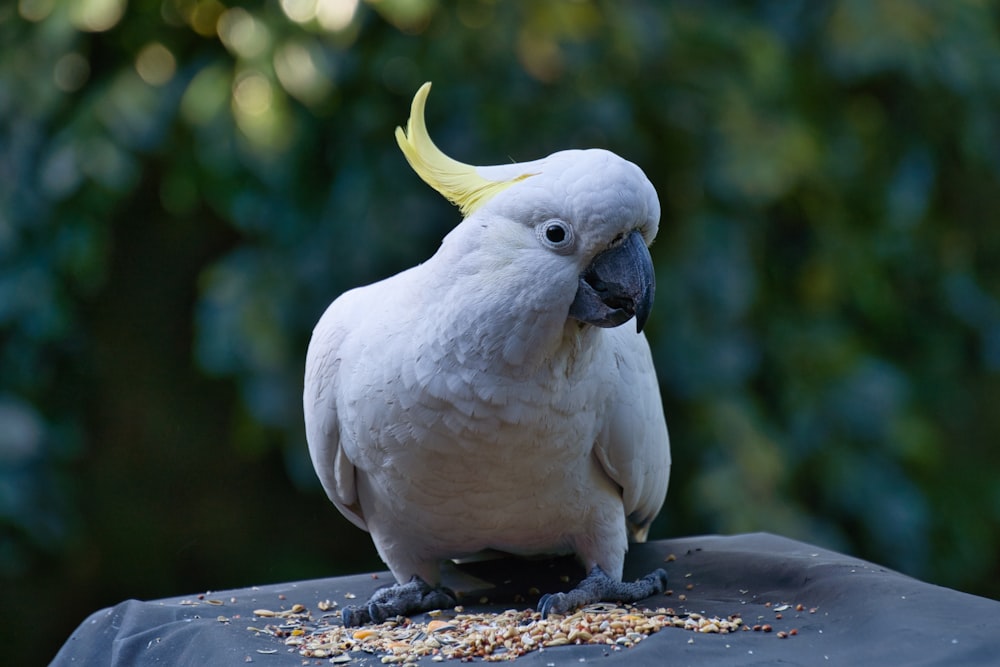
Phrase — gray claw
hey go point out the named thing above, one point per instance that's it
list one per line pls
(599, 587)
(414, 596)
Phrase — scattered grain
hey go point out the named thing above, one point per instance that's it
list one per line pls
(489, 636)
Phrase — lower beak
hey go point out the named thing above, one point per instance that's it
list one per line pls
(617, 286)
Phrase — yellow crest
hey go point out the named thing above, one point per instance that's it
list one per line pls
(458, 182)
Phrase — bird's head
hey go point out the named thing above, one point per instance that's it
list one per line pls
(582, 218)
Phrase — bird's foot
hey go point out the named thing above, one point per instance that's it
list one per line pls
(414, 596)
(599, 587)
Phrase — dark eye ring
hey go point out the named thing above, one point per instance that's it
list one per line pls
(556, 234)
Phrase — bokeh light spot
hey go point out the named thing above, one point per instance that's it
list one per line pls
(155, 64)
(335, 15)
(71, 72)
(35, 10)
(242, 34)
(252, 93)
(206, 95)
(540, 56)
(409, 16)
(204, 16)
(299, 11)
(96, 15)
(298, 69)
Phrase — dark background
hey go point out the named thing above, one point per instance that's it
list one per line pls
(185, 185)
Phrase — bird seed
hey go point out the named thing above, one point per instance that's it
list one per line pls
(489, 636)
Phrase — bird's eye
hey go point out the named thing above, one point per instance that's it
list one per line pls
(555, 234)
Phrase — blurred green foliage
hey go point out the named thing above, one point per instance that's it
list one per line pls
(186, 184)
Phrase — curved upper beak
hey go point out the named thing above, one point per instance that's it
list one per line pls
(618, 285)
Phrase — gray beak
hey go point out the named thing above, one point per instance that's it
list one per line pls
(618, 285)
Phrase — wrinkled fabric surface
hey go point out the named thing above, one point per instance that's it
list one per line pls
(863, 614)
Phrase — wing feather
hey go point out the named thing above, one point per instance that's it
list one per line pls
(336, 471)
(634, 448)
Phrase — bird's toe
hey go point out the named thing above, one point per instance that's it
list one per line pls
(353, 616)
(551, 603)
(657, 580)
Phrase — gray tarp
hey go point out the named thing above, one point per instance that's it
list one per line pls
(864, 614)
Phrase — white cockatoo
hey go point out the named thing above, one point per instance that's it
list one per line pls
(488, 398)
